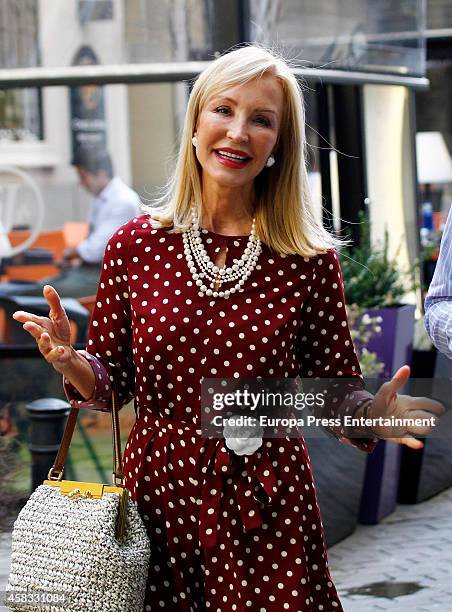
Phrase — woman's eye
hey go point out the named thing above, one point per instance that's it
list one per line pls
(263, 121)
(225, 110)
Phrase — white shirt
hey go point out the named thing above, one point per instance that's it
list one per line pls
(112, 207)
(5, 245)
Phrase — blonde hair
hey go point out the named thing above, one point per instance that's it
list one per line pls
(285, 218)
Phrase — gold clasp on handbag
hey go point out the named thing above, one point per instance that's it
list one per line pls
(76, 493)
(74, 489)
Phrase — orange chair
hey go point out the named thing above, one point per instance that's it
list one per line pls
(54, 240)
(31, 273)
(74, 232)
(12, 332)
(88, 302)
(50, 239)
(2, 326)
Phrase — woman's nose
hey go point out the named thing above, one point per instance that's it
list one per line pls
(238, 131)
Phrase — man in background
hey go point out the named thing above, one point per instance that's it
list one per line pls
(438, 303)
(5, 245)
(113, 204)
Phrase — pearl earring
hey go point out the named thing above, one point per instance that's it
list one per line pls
(270, 161)
(194, 141)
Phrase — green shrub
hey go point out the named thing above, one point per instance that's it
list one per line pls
(371, 278)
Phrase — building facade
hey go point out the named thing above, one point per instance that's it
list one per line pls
(361, 63)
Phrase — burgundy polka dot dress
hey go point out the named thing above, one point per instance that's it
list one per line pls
(228, 532)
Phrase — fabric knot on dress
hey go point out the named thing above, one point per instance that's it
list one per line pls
(255, 485)
(255, 482)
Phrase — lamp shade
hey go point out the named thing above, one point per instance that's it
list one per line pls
(434, 164)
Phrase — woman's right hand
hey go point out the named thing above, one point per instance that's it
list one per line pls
(53, 333)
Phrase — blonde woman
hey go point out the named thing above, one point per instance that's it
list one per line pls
(238, 279)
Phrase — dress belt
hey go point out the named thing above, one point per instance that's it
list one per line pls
(253, 477)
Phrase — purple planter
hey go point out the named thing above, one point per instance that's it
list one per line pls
(428, 471)
(381, 483)
(394, 347)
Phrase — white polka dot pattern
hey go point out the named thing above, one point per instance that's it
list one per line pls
(227, 533)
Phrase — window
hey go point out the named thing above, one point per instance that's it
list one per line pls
(20, 109)
(354, 35)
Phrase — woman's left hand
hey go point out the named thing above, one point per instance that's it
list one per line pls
(387, 403)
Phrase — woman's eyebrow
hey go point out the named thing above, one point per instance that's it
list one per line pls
(259, 110)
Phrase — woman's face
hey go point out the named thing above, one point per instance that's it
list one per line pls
(242, 121)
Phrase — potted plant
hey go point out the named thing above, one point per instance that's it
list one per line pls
(362, 329)
(374, 287)
(375, 284)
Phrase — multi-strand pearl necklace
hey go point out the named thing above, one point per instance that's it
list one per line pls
(196, 254)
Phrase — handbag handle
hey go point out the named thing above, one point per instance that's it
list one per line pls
(56, 471)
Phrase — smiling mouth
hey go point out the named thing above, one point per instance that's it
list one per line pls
(229, 155)
(232, 159)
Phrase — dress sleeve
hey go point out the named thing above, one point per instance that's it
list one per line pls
(325, 348)
(109, 342)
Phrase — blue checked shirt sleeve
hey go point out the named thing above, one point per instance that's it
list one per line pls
(438, 303)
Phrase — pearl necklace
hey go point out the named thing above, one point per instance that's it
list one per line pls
(195, 253)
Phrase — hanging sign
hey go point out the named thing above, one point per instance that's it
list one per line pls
(88, 124)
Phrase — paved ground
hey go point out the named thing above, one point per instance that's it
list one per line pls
(5, 544)
(412, 545)
(412, 548)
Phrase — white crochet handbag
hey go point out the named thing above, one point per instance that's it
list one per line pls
(79, 546)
